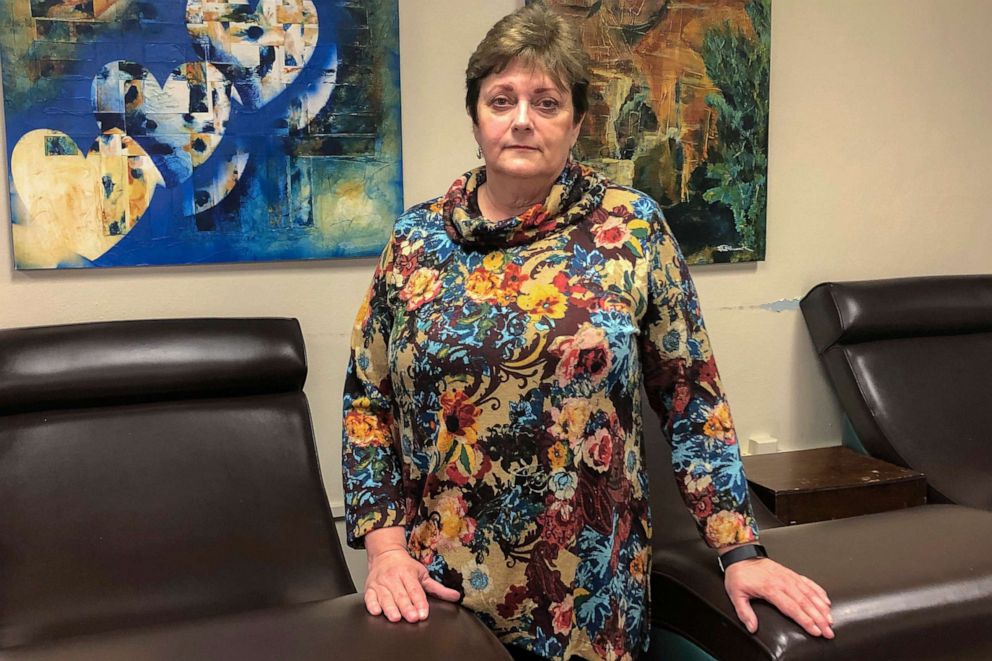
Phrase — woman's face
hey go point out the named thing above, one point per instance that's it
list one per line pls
(526, 123)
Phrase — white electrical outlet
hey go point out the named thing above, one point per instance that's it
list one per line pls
(762, 444)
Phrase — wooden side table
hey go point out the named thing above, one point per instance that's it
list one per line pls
(831, 483)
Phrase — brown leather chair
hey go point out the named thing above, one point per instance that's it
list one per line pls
(910, 361)
(160, 498)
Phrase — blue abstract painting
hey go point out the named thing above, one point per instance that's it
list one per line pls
(196, 131)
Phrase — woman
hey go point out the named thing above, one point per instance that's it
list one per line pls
(492, 438)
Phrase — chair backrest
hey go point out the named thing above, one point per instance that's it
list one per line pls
(911, 362)
(152, 471)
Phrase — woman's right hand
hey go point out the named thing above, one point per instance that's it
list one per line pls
(397, 585)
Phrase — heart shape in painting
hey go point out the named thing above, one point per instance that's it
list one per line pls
(76, 204)
(179, 124)
(260, 51)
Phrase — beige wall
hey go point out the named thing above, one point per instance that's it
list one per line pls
(880, 144)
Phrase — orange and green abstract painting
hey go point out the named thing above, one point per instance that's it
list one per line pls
(142, 132)
(679, 110)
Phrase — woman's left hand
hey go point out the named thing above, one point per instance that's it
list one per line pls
(796, 596)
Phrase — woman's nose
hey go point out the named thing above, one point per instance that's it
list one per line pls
(522, 120)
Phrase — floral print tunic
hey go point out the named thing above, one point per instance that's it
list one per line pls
(492, 408)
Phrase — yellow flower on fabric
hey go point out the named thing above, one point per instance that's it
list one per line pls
(363, 317)
(493, 261)
(539, 299)
(570, 420)
(450, 511)
(558, 455)
(422, 287)
(423, 541)
(484, 285)
(364, 429)
(454, 524)
(719, 425)
(726, 527)
(639, 566)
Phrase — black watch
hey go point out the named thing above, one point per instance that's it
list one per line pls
(741, 553)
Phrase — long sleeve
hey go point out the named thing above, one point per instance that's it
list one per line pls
(371, 460)
(684, 389)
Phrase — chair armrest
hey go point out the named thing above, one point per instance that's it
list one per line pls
(906, 584)
(333, 629)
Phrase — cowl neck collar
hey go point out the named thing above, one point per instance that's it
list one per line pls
(576, 193)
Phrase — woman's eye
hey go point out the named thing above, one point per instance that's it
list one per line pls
(500, 102)
(548, 104)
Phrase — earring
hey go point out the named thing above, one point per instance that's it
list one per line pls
(478, 152)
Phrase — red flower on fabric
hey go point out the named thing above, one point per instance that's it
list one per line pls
(458, 415)
(584, 354)
(598, 450)
(513, 277)
(707, 371)
(408, 256)
(612, 234)
(562, 615)
(561, 282)
(558, 523)
(702, 504)
(702, 508)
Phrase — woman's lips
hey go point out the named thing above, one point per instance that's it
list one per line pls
(524, 147)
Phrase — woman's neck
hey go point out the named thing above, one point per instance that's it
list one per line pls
(505, 197)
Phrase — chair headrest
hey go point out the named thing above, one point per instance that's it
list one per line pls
(863, 311)
(122, 362)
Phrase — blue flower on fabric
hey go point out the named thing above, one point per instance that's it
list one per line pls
(631, 461)
(671, 341)
(508, 516)
(644, 207)
(477, 577)
(526, 411)
(563, 484)
(584, 261)
(479, 580)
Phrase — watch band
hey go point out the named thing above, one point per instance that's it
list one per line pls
(741, 553)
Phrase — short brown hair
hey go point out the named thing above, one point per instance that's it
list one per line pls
(538, 36)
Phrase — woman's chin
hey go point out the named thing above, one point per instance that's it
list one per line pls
(523, 168)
